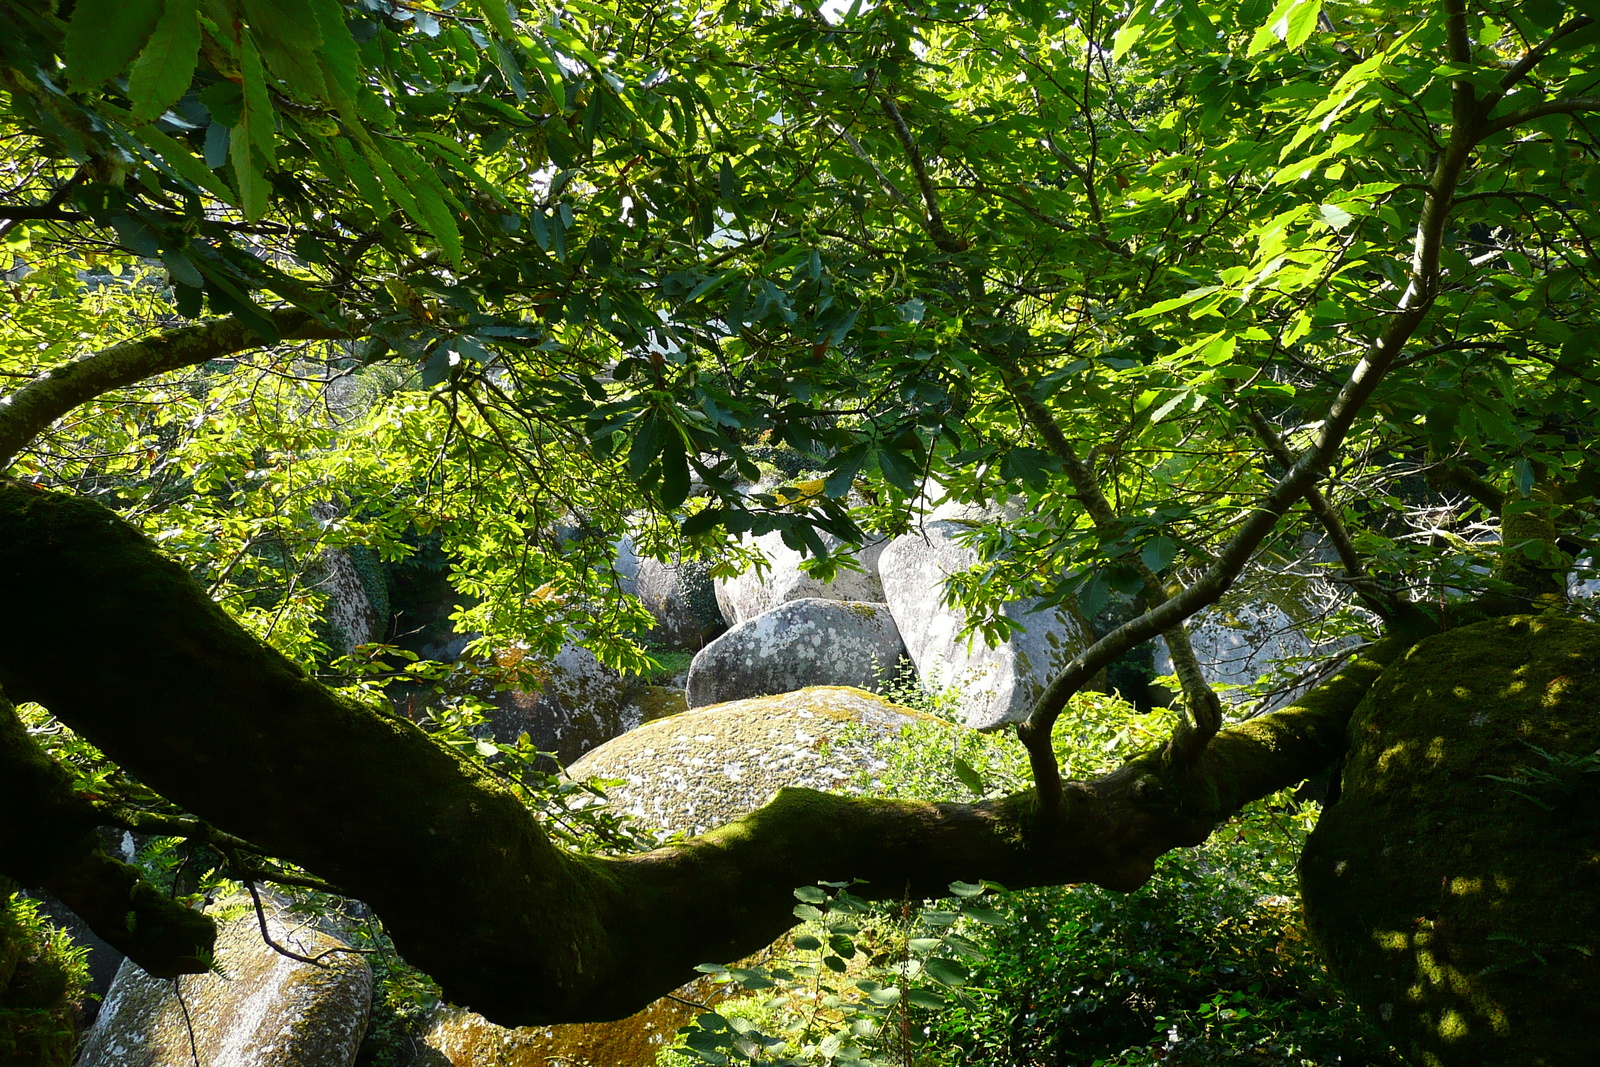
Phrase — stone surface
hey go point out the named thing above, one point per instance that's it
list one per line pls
(268, 1010)
(800, 643)
(351, 614)
(999, 683)
(710, 765)
(1450, 886)
(579, 703)
(652, 702)
(683, 601)
(1267, 623)
(756, 591)
(457, 1038)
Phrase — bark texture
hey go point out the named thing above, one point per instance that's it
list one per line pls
(121, 645)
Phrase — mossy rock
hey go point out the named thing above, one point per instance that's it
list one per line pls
(713, 764)
(1452, 887)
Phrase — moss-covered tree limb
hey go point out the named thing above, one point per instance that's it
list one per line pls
(124, 647)
(29, 411)
(47, 841)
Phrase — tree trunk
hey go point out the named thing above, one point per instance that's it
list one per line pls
(122, 646)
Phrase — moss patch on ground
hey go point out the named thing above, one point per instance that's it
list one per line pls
(1451, 887)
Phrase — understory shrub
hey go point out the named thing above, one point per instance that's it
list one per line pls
(1208, 963)
(42, 980)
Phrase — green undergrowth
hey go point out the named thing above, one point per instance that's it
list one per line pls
(1209, 963)
(43, 976)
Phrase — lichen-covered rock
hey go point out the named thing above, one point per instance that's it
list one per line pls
(1451, 886)
(801, 643)
(1267, 623)
(578, 703)
(460, 1038)
(999, 682)
(711, 765)
(264, 1008)
(652, 702)
(681, 598)
(757, 591)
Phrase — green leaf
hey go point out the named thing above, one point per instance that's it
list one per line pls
(256, 119)
(987, 916)
(646, 446)
(898, 470)
(404, 177)
(1176, 302)
(496, 14)
(184, 163)
(104, 36)
(340, 58)
(967, 889)
(289, 35)
(1159, 552)
(1132, 28)
(164, 69)
(947, 972)
(248, 174)
(969, 777)
(807, 943)
(1291, 22)
(1334, 216)
(674, 468)
(810, 894)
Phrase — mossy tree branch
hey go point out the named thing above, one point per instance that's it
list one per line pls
(124, 647)
(47, 841)
(28, 411)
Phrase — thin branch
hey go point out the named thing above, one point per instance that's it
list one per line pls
(941, 235)
(1385, 602)
(1530, 59)
(1569, 105)
(1205, 709)
(894, 191)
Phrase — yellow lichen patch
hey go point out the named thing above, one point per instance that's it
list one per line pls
(1389, 755)
(1393, 940)
(1436, 751)
(1463, 886)
(1555, 689)
(1452, 1027)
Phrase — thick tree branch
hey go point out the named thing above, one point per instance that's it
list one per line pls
(28, 411)
(47, 841)
(124, 647)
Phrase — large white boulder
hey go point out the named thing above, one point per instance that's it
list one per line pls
(1269, 625)
(262, 1008)
(999, 683)
(760, 590)
(801, 643)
